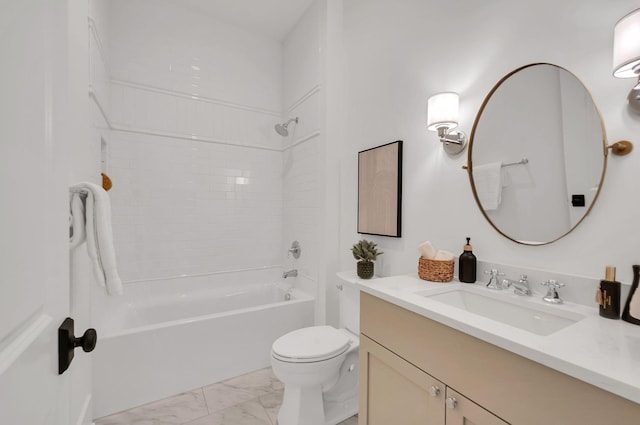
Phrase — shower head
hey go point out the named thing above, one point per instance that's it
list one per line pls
(282, 128)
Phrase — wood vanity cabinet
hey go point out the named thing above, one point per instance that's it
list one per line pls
(412, 368)
(396, 392)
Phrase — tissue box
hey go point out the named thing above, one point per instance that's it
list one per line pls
(435, 270)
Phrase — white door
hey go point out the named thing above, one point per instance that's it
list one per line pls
(37, 52)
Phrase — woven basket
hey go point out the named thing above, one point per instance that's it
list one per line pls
(435, 270)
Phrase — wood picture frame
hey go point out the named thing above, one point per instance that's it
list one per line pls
(380, 190)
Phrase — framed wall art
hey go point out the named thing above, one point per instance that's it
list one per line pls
(380, 190)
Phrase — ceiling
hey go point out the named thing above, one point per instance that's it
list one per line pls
(270, 18)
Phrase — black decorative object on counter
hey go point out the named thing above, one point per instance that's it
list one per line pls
(633, 296)
(609, 295)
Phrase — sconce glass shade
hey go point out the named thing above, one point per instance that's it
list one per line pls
(626, 46)
(442, 111)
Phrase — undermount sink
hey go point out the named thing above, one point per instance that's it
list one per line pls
(538, 319)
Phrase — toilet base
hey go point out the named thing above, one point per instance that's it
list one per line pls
(312, 412)
(337, 411)
(302, 406)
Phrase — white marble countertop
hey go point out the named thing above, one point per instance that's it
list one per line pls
(602, 352)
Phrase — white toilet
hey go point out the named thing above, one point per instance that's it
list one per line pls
(319, 367)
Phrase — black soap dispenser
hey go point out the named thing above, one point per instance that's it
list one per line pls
(467, 265)
(609, 295)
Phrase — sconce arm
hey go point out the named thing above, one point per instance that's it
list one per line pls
(453, 141)
(457, 137)
(621, 148)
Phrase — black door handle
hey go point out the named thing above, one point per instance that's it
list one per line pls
(67, 342)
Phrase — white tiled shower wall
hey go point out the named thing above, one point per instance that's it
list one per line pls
(194, 159)
(302, 170)
(191, 207)
(202, 182)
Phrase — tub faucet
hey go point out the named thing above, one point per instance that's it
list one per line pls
(520, 287)
(290, 273)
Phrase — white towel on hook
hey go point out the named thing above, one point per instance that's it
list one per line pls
(99, 233)
(488, 181)
(77, 231)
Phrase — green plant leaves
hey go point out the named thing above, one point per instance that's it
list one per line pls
(365, 250)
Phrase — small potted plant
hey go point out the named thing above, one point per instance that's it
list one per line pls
(366, 253)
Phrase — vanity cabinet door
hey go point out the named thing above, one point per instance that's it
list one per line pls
(462, 411)
(393, 391)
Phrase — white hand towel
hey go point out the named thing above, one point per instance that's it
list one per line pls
(99, 235)
(443, 255)
(76, 221)
(488, 181)
(427, 250)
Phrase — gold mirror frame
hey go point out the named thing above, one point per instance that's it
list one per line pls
(469, 166)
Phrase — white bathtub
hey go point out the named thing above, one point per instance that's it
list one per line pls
(165, 337)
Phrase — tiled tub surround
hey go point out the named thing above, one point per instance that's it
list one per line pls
(195, 161)
(164, 337)
(602, 352)
(251, 399)
(191, 207)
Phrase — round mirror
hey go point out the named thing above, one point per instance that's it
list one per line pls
(537, 154)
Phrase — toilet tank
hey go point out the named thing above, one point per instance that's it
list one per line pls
(349, 300)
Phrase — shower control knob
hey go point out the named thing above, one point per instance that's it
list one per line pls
(67, 342)
(295, 250)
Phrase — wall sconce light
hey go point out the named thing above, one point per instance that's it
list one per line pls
(626, 53)
(626, 64)
(442, 116)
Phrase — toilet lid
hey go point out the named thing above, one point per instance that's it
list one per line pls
(316, 342)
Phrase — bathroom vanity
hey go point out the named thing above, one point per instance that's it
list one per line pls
(426, 361)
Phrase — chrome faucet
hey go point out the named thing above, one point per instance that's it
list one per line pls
(552, 291)
(520, 287)
(290, 273)
(493, 280)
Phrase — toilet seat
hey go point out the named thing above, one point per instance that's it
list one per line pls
(312, 344)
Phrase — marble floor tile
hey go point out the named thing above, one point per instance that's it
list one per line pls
(252, 399)
(260, 382)
(271, 403)
(248, 413)
(221, 396)
(240, 389)
(175, 410)
(351, 421)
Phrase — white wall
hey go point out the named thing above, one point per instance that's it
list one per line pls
(313, 90)
(400, 52)
(302, 173)
(195, 162)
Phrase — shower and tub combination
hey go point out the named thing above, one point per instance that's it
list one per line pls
(168, 336)
(200, 181)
